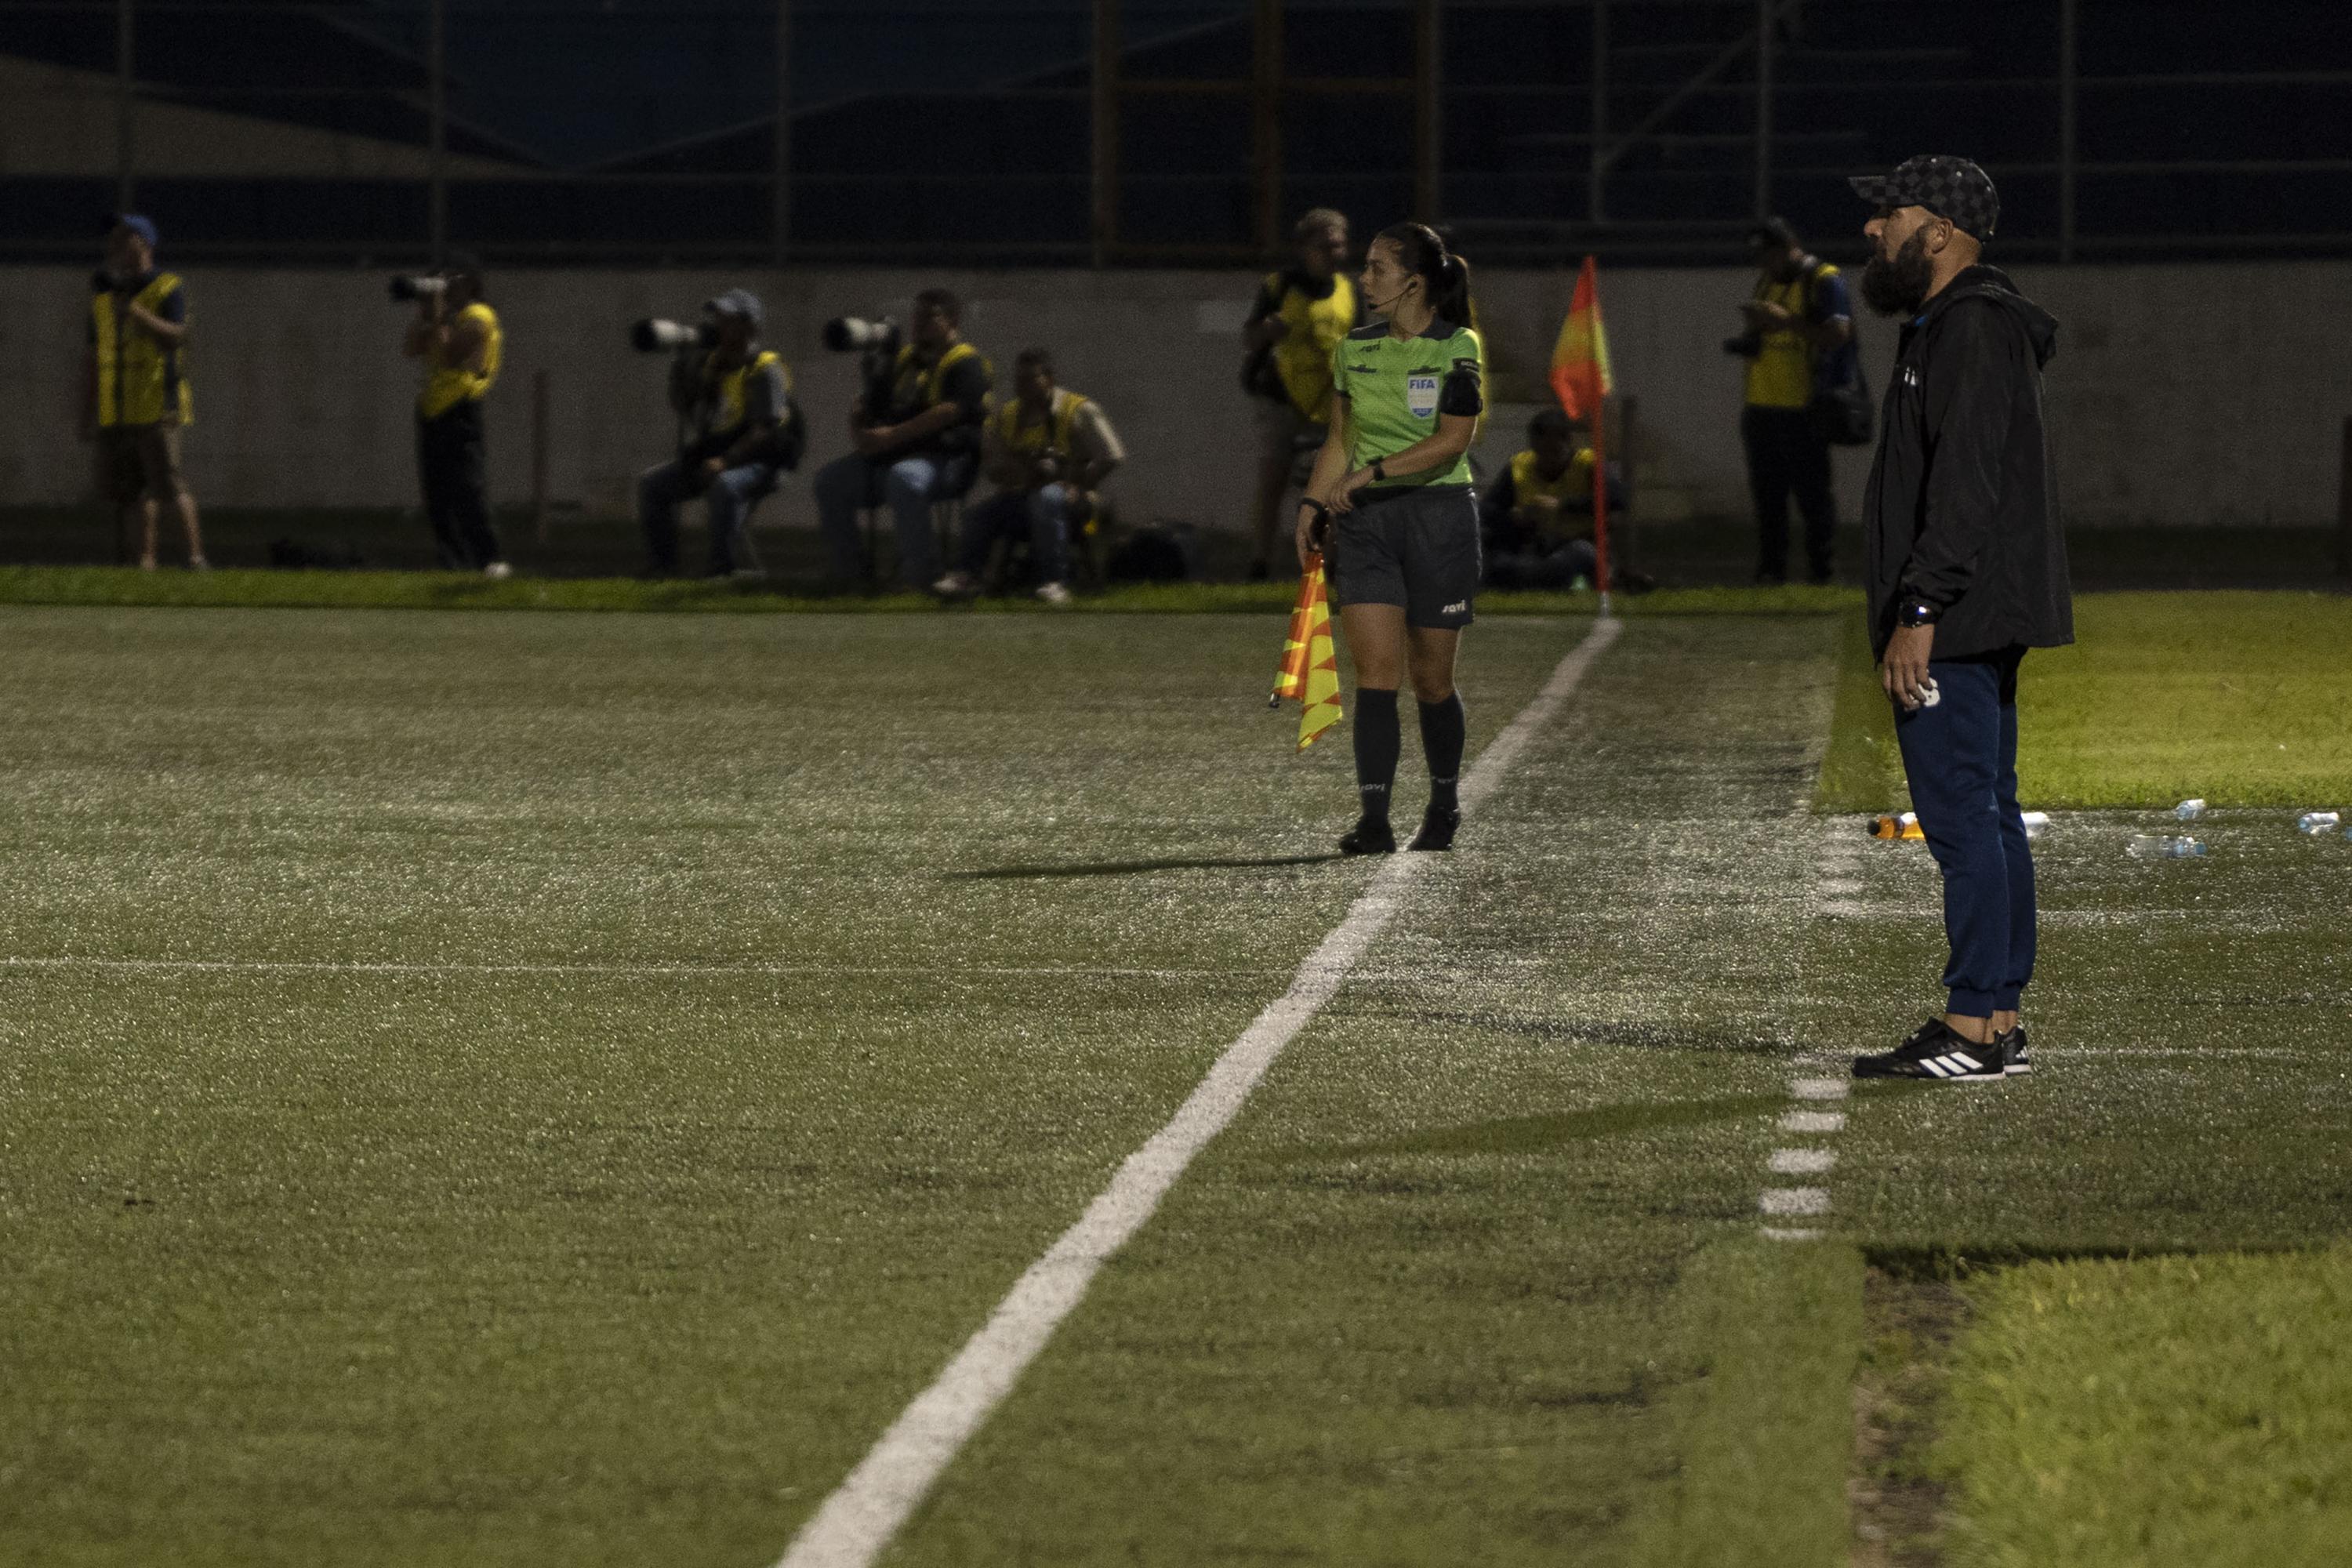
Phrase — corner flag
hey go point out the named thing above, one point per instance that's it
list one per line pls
(1581, 379)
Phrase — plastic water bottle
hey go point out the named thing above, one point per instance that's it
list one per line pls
(2037, 823)
(2316, 822)
(1889, 826)
(2148, 846)
(2190, 810)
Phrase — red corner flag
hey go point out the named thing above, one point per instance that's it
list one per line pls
(1581, 379)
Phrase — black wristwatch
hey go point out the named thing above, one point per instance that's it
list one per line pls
(1917, 612)
(1379, 469)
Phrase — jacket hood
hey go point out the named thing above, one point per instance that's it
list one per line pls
(1983, 282)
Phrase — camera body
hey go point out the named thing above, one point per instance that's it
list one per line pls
(1747, 345)
(654, 335)
(407, 288)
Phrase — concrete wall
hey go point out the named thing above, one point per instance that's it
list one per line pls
(2181, 396)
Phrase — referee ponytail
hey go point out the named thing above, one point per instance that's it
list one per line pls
(1421, 252)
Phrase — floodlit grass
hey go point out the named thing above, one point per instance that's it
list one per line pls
(2172, 1411)
(479, 1089)
(2242, 698)
(123, 587)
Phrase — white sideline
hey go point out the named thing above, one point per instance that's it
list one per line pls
(857, 1521)
(634, 971)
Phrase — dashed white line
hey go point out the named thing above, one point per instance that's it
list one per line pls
(1801, 1162)
(1781, 1202)
(1820, 1088)
(853, 1525)
(1813, 1121)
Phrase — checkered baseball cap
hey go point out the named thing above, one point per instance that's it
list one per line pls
(1951, 188)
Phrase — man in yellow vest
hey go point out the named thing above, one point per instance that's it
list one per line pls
(1302, 312)
(135, 394)
(738, 429)
(457, 334)
(915, 436)
(1800, 339)
(1047, 451)
(1537, 517)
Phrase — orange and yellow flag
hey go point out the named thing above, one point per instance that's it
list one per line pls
(1581, 376)
(1310, 665)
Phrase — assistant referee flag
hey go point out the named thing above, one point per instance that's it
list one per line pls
(1310, 665)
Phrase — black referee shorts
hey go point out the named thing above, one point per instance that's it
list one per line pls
(1415, 548)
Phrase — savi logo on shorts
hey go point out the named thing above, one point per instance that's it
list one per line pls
(1459, 607)
(1421, 395)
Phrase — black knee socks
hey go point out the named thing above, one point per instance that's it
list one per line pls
(1378, 740)
(1442, 726)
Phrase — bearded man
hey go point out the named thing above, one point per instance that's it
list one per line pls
(1966, 570)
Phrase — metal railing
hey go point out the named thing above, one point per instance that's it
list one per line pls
(1163, 132)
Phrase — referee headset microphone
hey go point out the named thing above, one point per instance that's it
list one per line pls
(1423, 256)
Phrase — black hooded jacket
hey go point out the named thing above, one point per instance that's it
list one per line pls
(1962, 510)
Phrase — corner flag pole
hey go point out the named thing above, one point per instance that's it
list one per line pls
(1581, 379)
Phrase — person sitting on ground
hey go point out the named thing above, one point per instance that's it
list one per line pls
(917, 438)
(1047, 451)
(1538, 514)
(741, 429)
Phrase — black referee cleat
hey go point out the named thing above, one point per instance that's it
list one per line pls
(2015, 1062)
(1437, 828)
(1370, 835)
(1936, 1053)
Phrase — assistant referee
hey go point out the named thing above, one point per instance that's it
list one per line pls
(1392, 492)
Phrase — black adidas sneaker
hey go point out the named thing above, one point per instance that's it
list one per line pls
(1936, 1053)
(1370, 835)
(2014, 1060)
(1437, 829)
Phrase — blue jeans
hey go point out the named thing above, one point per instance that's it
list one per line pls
(1042, 515)
(1962, 755)
(910, 485)
(728, 500)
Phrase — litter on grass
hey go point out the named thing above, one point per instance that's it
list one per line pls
(2190, 810)
(2317, 822)
(2148, 846)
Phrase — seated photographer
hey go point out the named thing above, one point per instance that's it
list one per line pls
(1538, 515)
(738, 429)
(916, 431)
(1047, 451)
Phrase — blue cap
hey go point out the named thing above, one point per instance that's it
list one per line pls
(741, 303)
(144, 227)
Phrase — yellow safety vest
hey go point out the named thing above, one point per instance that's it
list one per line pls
(907, 376)
(1781, 374)
(730, 389)
(1303, 358)
(139, 380)
(1572, 489)
(1051, 434)
(447, 385)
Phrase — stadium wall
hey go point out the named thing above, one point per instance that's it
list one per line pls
(2183, 394)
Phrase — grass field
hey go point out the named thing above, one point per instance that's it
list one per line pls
(485, 1089)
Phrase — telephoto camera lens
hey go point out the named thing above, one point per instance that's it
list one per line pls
(415, 285)
(852, 334)
(653, 335)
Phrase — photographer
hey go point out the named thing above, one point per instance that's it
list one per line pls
(457, 335)
(1537, 517)
(739, 428)
(134, 393)
(1047, 451)
(916, 431)
(1799, 345)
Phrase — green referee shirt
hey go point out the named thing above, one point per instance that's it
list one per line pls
(1396, 387)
